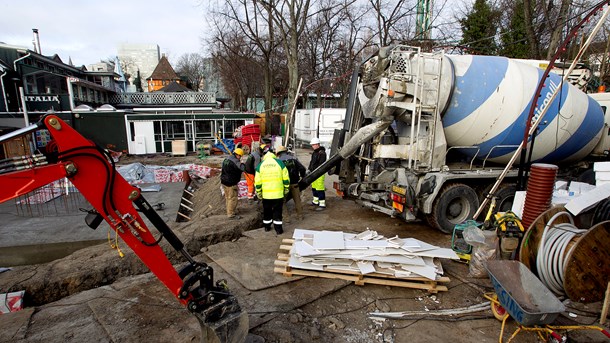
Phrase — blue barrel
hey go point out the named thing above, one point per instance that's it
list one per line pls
(490, 103)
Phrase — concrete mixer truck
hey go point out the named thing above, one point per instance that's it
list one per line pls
(427, 134)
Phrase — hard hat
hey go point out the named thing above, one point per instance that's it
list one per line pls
(315, 140)
(238, 151)
(281, 149)
(262, 147)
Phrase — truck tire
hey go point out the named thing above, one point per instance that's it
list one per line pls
(505, 198)
(588, 176)
(455, 203)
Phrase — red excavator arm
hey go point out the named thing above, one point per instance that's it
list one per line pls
(92, 172)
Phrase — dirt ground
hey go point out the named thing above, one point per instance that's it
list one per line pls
(93, 296)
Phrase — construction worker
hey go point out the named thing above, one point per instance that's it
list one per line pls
(250, 168)
(296, 171)
(230, 175)
(317, 187)
(272, 183)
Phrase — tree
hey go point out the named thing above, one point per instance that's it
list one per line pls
(479, 29)
(252, 21)
(546, 23)
(320, 52)
(514, 35)
(235, 62)
(137, 81)
(561, 20)
(290, 17)
(393, 22)
(129, 67)
(192, 66)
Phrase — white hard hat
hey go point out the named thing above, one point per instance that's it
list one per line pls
(315, 140)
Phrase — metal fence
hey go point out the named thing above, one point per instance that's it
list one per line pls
(164, 98)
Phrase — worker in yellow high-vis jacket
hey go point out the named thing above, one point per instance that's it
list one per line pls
(272, 183)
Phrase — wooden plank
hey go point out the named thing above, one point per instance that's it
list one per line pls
(282, 267)
(604, 314)
(361, 280)
(280, 263)
(183, 215)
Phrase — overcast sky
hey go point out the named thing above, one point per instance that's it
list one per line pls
(89, 31)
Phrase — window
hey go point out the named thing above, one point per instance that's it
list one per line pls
(203, 128)
(173, 129)
(231, 125)
(30, 85)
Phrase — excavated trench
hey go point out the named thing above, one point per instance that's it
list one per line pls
(100, 265)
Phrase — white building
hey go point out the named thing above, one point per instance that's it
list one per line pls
(143, 57)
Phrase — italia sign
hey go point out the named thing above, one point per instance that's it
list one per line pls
(42, 98)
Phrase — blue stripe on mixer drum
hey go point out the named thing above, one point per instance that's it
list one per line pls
(471, 90)
(513, 135)
(588, 129)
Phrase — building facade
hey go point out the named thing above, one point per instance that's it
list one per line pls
(94, 104)
(139, 57)
(162, 76)
(45, 83)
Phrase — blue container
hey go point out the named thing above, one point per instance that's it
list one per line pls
(522, 295)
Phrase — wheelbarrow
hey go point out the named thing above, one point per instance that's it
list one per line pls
(521, 295)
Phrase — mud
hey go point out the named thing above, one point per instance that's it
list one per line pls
(93, 295)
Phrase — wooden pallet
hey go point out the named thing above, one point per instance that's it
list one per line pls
(282, 267)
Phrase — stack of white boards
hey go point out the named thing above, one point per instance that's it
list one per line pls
(367, 253)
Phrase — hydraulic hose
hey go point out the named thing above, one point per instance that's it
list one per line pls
(552, 252)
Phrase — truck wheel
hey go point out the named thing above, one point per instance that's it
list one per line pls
(505, 198)
(588, 176)
(455, 204)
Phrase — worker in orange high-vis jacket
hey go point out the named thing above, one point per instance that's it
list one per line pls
(272, 183)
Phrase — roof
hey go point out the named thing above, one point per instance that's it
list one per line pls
(175, 87)
(163, 71)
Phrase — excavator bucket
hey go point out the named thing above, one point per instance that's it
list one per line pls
(224, 322)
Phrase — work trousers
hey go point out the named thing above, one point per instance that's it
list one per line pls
(231, 198)
(295, 192)
(272, 213)
(319, 195)
(250, 182)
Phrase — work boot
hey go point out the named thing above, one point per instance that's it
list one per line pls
(267, 228)
(279, 230)
(234, 217)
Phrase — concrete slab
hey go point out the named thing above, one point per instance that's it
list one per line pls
(140, 308)
(55, 230)
(253, 266)
(15, 324)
